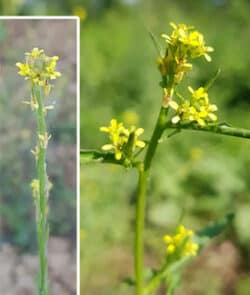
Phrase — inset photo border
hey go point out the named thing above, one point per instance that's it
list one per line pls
(39, 154)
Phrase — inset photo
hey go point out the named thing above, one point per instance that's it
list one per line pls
(38, 143)
(164, 148)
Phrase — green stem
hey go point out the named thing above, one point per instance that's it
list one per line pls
(140, 214)
(159, 128)
(213, 128)
(141, 199)
(43, 195)
(154, 283)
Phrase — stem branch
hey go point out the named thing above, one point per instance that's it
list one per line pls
(213, 128)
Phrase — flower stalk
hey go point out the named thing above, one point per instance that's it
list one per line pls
(144, 169)
(42, 222)
(39, 69)
(220, 128)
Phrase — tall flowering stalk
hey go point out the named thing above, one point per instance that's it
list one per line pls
(39, 69)
(190, 112)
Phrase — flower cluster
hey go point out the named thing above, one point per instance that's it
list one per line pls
(186, 43)
(183, 44)
(180, 244)
(39, 68)
(197, 109)
(122, 138)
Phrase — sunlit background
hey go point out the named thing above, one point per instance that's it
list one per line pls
(18, 243)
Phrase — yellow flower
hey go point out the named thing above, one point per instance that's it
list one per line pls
(137, 133)
(186, 43)
(35, 53)
(24, 69)
(180, 244)
(199, 93)
(183, 44)
(39, 68)
(119, 137)
(197, 108)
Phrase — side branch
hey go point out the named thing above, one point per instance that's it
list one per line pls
(213, 128)
(88, 156)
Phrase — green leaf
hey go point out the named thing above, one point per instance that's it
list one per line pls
(88, 156)
(173, 283)
(211, 81)
(217, 227)
(148, 274)
(156, 43)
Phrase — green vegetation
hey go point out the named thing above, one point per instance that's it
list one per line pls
(197, 177)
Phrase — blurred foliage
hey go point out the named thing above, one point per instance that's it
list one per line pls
(17, 133)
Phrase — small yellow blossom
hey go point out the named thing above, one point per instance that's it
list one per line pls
(180, 244)
(187, 43)
(119, 137)
(80, 11)
(183, 44)
(24, 69)
(196, 109)
(39, 68)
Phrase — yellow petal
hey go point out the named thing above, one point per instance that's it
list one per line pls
(167, 239)
(107, 147)
(174, 105)
(212, 116)
(191, 89)
(118, 155)
(201, 122)
(139, 131)
(18, 64)
(104, 129)
(207, 57)
(213, 107)
(175, 119)
(170, 249)
(140, 143)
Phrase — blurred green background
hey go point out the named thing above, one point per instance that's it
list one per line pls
(18, 132)
(205, 176)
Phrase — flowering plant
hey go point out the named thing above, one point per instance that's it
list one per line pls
(179, 112)
(39, 69)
